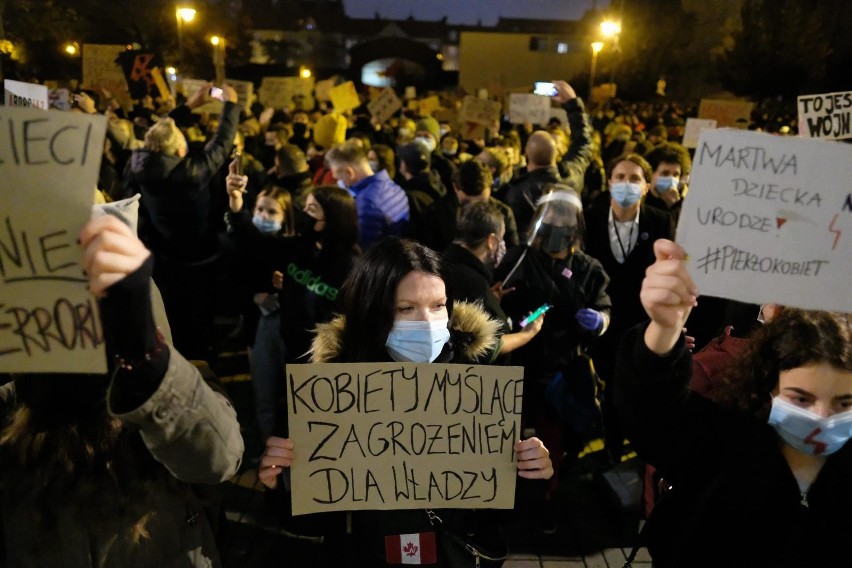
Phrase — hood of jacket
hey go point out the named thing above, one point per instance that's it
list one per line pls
(475, 335)
(152, 166)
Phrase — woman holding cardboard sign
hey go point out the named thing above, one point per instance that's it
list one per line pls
(760, 476)
(396, 309)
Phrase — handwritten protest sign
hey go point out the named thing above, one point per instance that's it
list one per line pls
(279, 92)
(344, 97)
(693, 129)
(403, 435)
(479, 111)
(526, 108)
(827, 116)
(101, 71)
(769, 219)
(20, 94)
(425, 107)
(385, 105)
(48, 319)
(726, 112)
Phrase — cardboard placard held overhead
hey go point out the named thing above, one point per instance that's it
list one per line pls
(102, 71)
(385, 105)
(726, 112)
(403, 436)
(479, 111)
(827, 116)
(49, 321)
(279, 92)
(768, 219)
(525, 108)
(22, 95)
(323, 88)
(425, 107)
(344, 97)
(693, 128)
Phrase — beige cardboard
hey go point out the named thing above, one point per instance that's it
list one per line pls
(827, 115)
(385, 105)
(278, 92)
(725, 112)
(526, 108)
(428, 105)
(366, 433)
(479, 111)
(49, 162)
(344, 97)
(100, 71)
(323, 88)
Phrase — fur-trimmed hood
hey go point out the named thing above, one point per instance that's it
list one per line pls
(473, 333)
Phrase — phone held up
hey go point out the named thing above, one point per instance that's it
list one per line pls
(544, 88)
(216, 93)
(535, 315)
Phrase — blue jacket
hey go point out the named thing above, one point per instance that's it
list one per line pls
(382, 208)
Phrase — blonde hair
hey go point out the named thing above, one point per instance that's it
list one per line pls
(165, 137)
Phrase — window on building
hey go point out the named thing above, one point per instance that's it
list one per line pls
(561, 47)
(538, 44)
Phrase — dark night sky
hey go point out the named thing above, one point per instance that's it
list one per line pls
(470, 11)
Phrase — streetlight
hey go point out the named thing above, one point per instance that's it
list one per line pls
(219, 57)
(182, 14)
(304, 72)
(597, 46)
(71, 48)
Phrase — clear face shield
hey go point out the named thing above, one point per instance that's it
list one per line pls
(557, 222)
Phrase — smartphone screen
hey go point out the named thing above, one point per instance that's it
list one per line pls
(544, 88)
(216, 93)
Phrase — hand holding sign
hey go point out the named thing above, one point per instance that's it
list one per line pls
(533, 459)
(668, 295)
(110, 252)
(278, 453)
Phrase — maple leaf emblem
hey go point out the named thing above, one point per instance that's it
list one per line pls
(410, 549)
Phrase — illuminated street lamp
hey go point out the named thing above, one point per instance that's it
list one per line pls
(304, 72)
(71, 48)
(610, 28)
(183, 15)
(597, 46)
(219, 57)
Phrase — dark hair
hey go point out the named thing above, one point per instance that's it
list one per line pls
(473, 177)
(291, 160)
(476, 221)
(285, 200)
(340, 236)
(369, 295)
(669, 153)
(633, 158)
(794, 338)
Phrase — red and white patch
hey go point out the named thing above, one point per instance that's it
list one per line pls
(417, 548)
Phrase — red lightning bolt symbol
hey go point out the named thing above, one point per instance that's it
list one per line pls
(835, 231)
(819, 447)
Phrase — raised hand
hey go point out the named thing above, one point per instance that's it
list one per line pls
(668, 295)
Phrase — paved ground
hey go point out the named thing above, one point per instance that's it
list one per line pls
(595, 529)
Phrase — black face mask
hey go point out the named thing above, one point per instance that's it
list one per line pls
(299, 130)
(305, 226)
(555, 239)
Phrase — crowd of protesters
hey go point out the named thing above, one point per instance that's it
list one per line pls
(271, 214)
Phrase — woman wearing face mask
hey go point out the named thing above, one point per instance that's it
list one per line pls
(307, 267)
(397, 309)
(621, 236)
(760, 476)
(553, 270)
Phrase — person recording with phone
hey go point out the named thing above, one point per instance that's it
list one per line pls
(175, 215)
(559, 385)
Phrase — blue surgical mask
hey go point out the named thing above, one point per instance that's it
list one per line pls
(342, 184)
(626, 194)
(666, 183)
(808, 432)
(374, 165)
(265, 225)
(417, 341)
(428, 141)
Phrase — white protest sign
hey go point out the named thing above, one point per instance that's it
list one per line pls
(403, 436)
(20, 94)
(693, 129)
(769, 219)
(385, 105)
(526, 108)
(827, 116)
(561, 115)
(49, 163)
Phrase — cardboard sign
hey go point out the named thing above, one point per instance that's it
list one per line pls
(24, 95)
(245, 92)
(693, 129)
(769, 219)
(528, 109)
(561, 115)
(826, 116)
(481, 112)
(49, 321)
(472, 131)
(410, 93)
(279, 92)
(725, 112)
(344, 97)
(385, 105)
(323, 88)
(101, 71)
(425, 107)
(403, 436)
